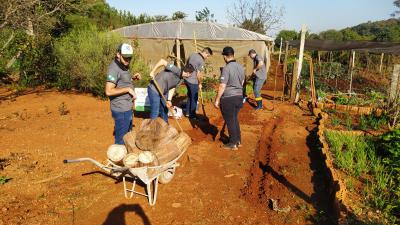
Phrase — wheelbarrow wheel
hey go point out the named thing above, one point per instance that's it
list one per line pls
(166, 176)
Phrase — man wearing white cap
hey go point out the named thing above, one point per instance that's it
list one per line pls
(119, 89)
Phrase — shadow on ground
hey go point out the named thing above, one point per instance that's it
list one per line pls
(117, 215)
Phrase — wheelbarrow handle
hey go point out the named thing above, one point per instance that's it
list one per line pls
(76, 160)
(84, 160)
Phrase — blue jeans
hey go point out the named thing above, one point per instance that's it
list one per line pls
(122, 125)
(193, 96)
(157, 105)
(257, 85)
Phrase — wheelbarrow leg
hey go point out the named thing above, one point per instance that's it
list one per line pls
(132, 191)
(152, 195)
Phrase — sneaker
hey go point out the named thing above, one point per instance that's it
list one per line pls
(239, 144)
(230, 146)
(244, 100)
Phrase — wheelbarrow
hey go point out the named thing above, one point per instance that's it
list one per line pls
(149, 175)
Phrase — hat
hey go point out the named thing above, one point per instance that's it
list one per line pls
(228, 51)
(125, 50)
(252, 51)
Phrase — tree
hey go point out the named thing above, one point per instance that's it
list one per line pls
(160, 18)
(286, 35)
(397, 4)
(255, 15)
(205, 15)
(332, 34)
(350, 35)
(179, 15)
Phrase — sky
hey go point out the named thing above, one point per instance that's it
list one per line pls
(317, 15)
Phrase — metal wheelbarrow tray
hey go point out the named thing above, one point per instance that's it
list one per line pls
(149, 175)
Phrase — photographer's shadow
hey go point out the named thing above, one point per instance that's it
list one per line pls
(117, 215)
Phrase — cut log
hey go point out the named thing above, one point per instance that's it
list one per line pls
(183, 141)
(167, 153)
(116, 153)
(154, 132)
(131, 160)
(129, 140)
(147, 158)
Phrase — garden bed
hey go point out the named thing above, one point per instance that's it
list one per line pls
(367, 190)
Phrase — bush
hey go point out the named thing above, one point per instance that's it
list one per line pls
(83, 59)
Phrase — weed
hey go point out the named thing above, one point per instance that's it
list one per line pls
(349, 185)
(335, 121)
(181, 90)
(363, 124)
(349, 122)
(62, 109)
(4, 179)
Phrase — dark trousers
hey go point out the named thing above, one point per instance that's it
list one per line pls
(122, 124)
(193, 96)
(230, 107)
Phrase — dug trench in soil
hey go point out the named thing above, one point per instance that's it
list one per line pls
(289, 167)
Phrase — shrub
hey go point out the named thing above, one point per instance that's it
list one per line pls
(83, 59)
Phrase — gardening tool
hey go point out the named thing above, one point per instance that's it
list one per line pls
(201, 90)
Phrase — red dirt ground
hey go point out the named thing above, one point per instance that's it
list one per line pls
(278, 160)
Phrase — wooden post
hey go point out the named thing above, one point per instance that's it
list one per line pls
(277, 66)
(300, 62)
(380, 66)
(394, 84)
(280, 53)
(285, 69)
(178, 53)
(353, 58)
(312, 84)
(294, 81)
(330, 64)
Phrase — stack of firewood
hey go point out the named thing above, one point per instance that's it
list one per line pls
(155, 143)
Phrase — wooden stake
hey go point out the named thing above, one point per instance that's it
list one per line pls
(178, 53)
(280, 53)
(285, 69)
(277, 66)
(380, 66)
(352, 70)
(394, 84)
(294, 81)
(300, 62)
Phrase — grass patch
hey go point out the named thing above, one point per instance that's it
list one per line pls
(377, 161)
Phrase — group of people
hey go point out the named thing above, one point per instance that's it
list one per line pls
(230, 96)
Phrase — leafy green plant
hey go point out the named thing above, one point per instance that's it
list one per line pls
(341, 99)
(373, 121)
(4, 179)
(363, 124)
(181, 90)
(378, 157)
(349, 185)
(335, 121)
(349, 122)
